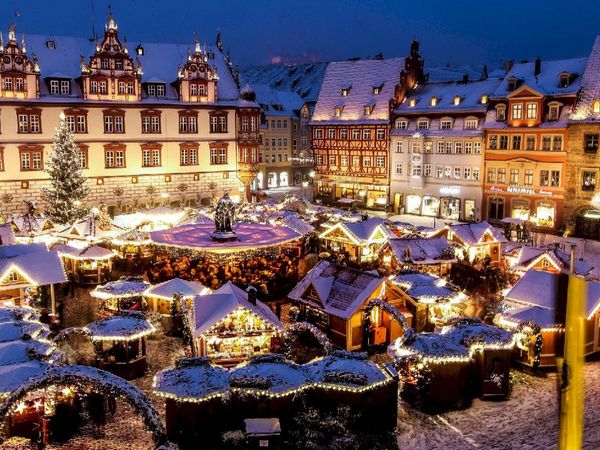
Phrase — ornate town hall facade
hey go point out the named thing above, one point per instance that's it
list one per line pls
(159, 121)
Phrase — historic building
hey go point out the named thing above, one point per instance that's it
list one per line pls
(350, 126)
(302, 155)
(436, 148)
(582, 205)
(526, 142)
(154, 121)
(279, 116)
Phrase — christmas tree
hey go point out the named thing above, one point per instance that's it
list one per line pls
(67, 189)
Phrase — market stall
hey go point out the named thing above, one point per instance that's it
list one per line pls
(123, 294)
(160, 296)
(89, 265)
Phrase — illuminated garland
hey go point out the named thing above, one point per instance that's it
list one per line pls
(305, 327)
(534, 329)
(84, 378)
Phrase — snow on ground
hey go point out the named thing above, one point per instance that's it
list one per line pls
(420, 221)
(526, 421)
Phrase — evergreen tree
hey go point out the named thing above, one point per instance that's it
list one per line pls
(68, 188)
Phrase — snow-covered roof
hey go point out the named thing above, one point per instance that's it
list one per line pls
(303, 79)
(590, 92)
(124, 287)
(27, 224)
(475, 72)
(34, 262)
(277, 102)
(120, 328)
(527, 257)
(169, 288)
(272, 372)
(297, 224)
(435, 129)
(547, 82)
(159, 62)
(21, 351)
(207, 310)
(432, 250)
(427, 288)
(12, 313)
(13, 375)
(470, 95)
(91, 229)
(474, 331)
(19, 329)
(7, 236)
(326, 369)
(341, 290)
(192, 378)
(362, 231)
(359, 78)
(428, 346)
(474, 233)
(92, 252)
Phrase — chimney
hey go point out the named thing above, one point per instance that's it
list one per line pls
(251, 291)
(537, 66)
(466, 78)
(508, 65)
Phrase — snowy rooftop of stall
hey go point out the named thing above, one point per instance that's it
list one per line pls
(474, 331)
(24, 350)
(93, 252)
(122, 327)
(13, 375)
(330, 369)
(473, 233)
(427, 345)
(18, 329)
(169, 288)
(359, 77)
(341, 290)
(34, 262)
(424, 287)
(192, 378)
(207, 310)
(422, 250)
(527, 256)
(12, 313)
(271, 372)
(124, 287)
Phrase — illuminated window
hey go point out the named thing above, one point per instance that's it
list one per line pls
(517, 111)
(484, 99)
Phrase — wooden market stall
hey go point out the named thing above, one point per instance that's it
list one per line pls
(428, 255)
(334, 297)
(89, 265)
(160, 297)
(124, 294)
(479, 240)
(231, 325)
(120, 343)
(520, 258)
(431, 300)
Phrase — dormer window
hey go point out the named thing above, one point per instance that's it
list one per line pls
(512, 84)
(446, 124)
(484, 99)
(368, 109)
(553, 111)
(433, 101)
(401, 124)
(50, 44)
(457, 100)
(338, 111)
(565, 79)
(139, 50)
(501, 113)
(422, 124)
(596, 106)
(377, 89)
(155, 89)
(60, 87)
(346, 90)
(471, 124)
(412, 102)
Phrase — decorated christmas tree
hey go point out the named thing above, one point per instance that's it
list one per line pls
(67, 189)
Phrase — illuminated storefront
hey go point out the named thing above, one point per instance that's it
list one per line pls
(430, 206)
(413, 204)
(520, 209)
(450, 208)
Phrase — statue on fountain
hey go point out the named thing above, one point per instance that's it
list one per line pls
(224, 218)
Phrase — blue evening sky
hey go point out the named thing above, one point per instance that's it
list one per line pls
(258, 31)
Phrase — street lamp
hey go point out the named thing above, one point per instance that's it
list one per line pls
(305, 185)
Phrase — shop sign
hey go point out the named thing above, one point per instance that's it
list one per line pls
(521, 190)
(450, 190)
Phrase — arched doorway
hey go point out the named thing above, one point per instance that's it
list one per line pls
(587, 224)
(96, 380)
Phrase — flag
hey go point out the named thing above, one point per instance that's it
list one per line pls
(572, 380)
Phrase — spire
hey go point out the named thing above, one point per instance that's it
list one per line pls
(196, 43)
(111, 24)
(219, 40)
(11, 32)
(1, 41)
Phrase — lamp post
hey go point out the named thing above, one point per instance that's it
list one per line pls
(304, 186)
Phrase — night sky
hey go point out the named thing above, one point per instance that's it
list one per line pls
(260, 31)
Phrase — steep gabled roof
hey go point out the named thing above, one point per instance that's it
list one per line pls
(359, 78)
(473, 233)
(590, 88)
(527, 257)
(422, 250)
(362, 231)
(169, 288)
(34, 262)
(341, 290)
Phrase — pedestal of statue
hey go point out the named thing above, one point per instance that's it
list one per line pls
(223, 236)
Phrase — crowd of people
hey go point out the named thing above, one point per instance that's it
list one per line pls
(272, 273)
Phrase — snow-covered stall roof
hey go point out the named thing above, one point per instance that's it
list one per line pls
(88, 253)
(272, 373)
(207, 310)
(192, 379)
(341, 290)
(469, 93)
(7, 236)
(429, 347)
(122, 288)
(13, 375)
(293, 221)
(347, 369)
(19, 329)
(359, 78)
(473, 332)
(120, 328)
(474, 233)
(12, 313)
(303, 79)
(362, 231)
(24, 350)
(547, 82)
(169, 288)
(250, 236)
(91, 230)
(590, 92)
(160, 62)
(27, 224)
(427, 288)
(34, 262)
(275, 102)
(422, 250)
